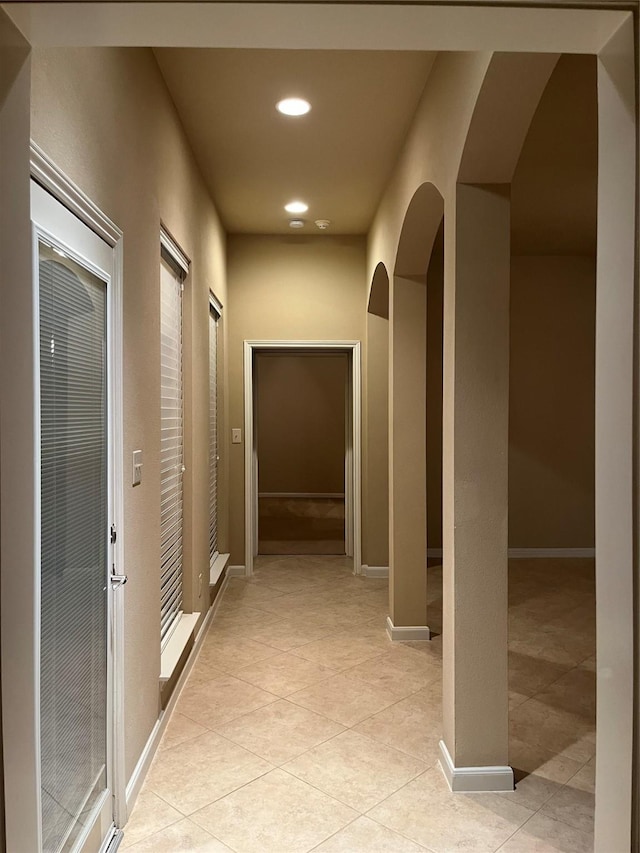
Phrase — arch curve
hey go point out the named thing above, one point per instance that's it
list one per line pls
(379, 292)
(509, 96)
(419, 228)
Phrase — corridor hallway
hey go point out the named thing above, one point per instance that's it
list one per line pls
(302, 727)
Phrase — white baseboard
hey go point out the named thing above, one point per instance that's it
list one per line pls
(236, 572)
(542, 553)
(533, 553)
(404, 633)
(144, 762)
(375, 571)
(475, 779)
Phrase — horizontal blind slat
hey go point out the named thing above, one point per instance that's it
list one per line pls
(171, 448)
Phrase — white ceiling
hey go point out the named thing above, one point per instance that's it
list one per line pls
(338, 158)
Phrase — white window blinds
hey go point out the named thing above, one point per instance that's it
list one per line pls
(171, 452)
(213, 435)
(73, 543)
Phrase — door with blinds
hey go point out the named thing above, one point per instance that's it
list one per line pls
(214, 318)
(172, 273)
(73, 277)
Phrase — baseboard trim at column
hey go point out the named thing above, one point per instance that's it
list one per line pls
(404, 633)
(475, 779)
(236, 572)
(375, 571)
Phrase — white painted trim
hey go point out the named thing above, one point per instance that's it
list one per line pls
(405, 633)
(533, 553)
(452, 26)
(305, 495)
(171, 247)
(113, 841)
(45, 172)
(215, 303)
(144, 762)
(375, 571)
(177, 643)
(117, 598)
(475, 779)
(354, 350)
(542, 553)
(236, 572)
(218, 567)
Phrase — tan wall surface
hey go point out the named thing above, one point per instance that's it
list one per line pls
(300, 421)
(552, 349)
(376, 518)
(435, 294)
(286, 288)
(123, 145)
(552, 402)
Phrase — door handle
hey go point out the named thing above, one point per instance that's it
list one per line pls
(118, 581)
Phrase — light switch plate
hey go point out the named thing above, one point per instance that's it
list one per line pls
(137, 467)
(236, 436)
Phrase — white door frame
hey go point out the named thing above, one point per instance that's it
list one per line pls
(49, 176)
(354, 415)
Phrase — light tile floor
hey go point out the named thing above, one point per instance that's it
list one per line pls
(303, 728)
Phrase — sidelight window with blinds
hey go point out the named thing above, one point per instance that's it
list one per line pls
(214, 318)
(173, 269)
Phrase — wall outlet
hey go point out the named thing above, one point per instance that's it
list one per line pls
(137, 467)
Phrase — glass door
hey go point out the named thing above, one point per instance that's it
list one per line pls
(73, 278)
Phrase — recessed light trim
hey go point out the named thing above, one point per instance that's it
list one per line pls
(293, 106)
(296, 207)
(296, 223)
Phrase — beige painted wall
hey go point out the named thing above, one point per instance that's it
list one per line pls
(375, 520)
(286, 288)
(124, 146)
(552, 350)
(300, 421)
(435, 294)
(552, 402)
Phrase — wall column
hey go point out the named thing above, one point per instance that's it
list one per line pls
(407, 459)
(475, 489)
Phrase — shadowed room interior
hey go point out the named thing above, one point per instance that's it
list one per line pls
(300, 425)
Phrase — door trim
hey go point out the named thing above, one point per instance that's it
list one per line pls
(353, 349)
(46, 173)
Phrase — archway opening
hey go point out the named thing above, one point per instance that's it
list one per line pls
(417, 282)
(552, 603)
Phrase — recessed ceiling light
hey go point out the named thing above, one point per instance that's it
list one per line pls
(296, 207)
(293, 106)
(296, 223)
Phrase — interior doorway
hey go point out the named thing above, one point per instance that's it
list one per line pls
(301, 442)
(302, 449)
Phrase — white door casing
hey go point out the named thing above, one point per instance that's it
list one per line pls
(66, 220)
